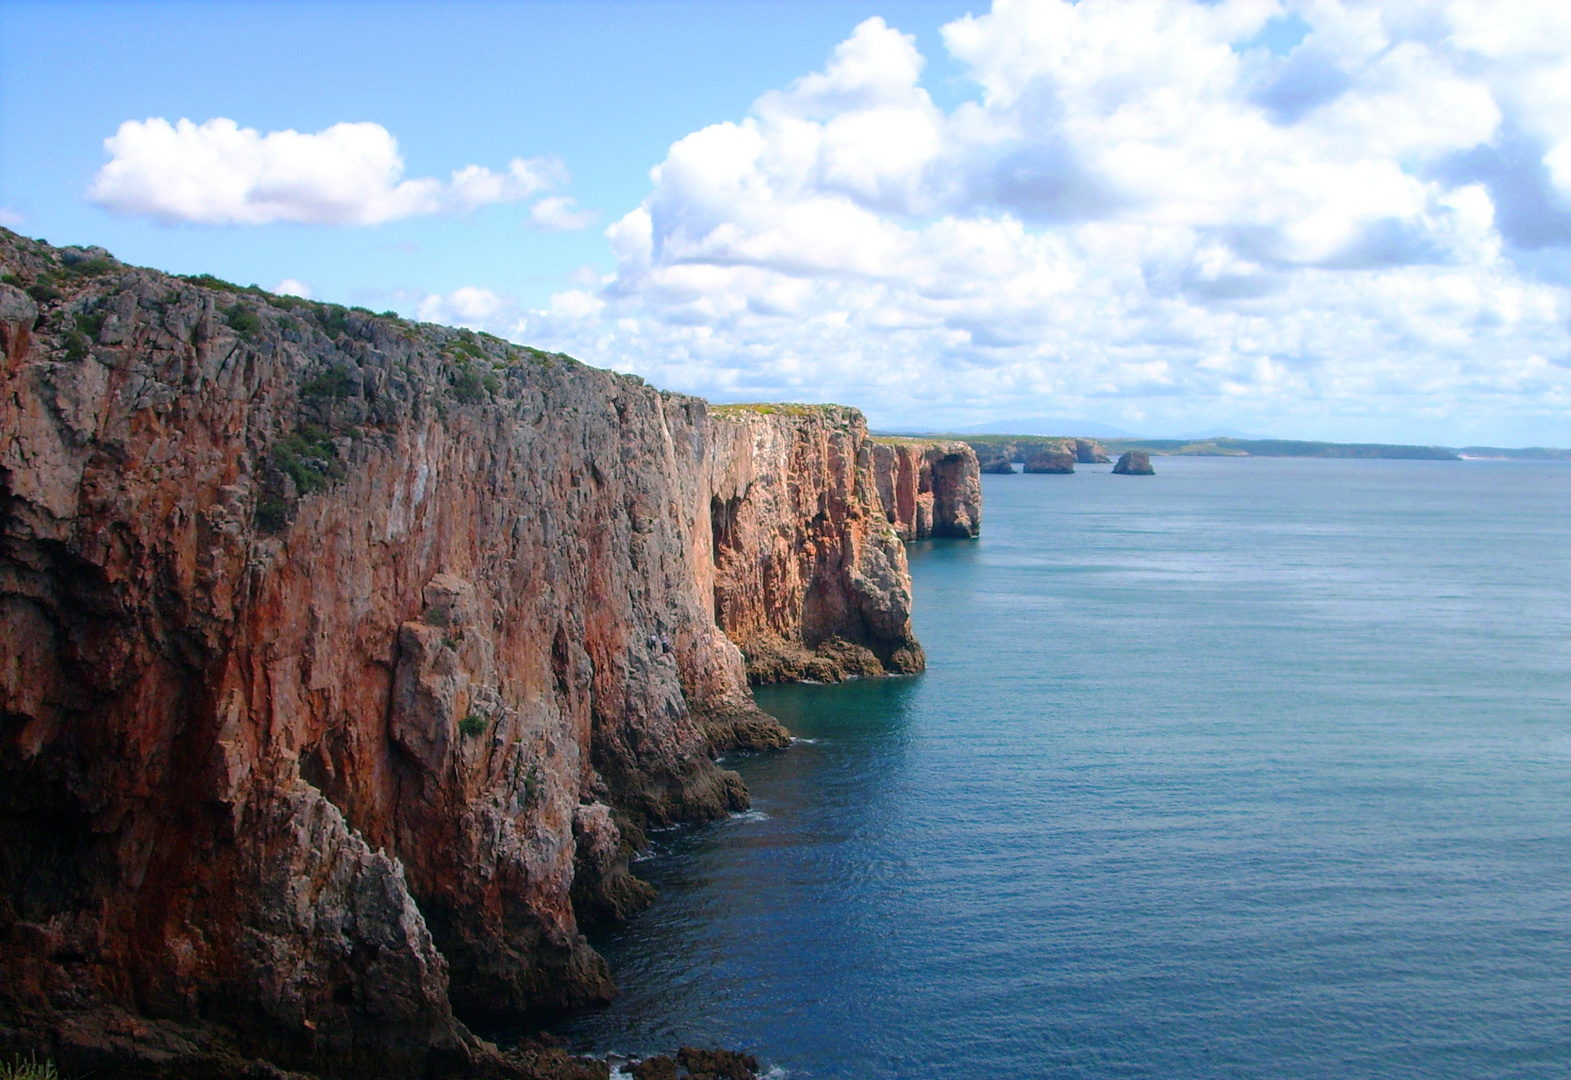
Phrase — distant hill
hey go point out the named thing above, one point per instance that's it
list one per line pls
(1525, 453)
(1047, 425)
(1282, 448)
(1019, 444)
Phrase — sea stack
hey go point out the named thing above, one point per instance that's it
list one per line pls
(1051, 461)
(1134, 463)
(1000, 466)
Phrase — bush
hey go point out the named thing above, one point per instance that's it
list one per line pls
(208, 281)
(333, 319)
(90, 323)
(42, 293)
(470, 387)
(272, 514)
(471, 725)
(31, 1069)
(332, 383)
(308, 458)
(242, 320)
(92, 267)
(76, 346)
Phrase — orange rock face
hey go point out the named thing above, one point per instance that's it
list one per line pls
(344, 659)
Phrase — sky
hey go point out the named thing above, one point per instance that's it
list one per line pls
(1308, 219)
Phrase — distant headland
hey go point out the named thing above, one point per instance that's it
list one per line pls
(991, 448)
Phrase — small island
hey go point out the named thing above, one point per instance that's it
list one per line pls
(1134, 463)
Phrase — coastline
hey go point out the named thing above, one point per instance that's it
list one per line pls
(378, 647)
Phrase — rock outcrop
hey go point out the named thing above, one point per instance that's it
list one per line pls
(808, 517)
(1090, 452)
(1023, 448)
(928, 489)
(1134, 463)
(1000, 466)
(345, 660)
(1051, 461)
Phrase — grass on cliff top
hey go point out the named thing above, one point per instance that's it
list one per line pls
(30, 1069)
(778, 408)
(915, 440)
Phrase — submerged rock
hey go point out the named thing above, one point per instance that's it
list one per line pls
(1134, 463)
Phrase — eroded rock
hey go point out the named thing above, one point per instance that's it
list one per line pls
(345, 660)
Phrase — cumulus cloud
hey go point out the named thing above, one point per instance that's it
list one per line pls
(11, 219)
(471, 306)
(1146, 212)
(293, 287)
(348, 174)
(560, 213)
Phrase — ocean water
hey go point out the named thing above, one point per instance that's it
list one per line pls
(1251, 769)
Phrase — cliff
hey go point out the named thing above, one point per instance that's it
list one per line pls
(345, 660)
(1022, 448)
(808, 518)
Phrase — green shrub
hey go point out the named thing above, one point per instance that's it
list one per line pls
(332, 383)
(77, 346)
(466, 343)
(469, 386)
(30, 1069)
(471, 725)
(242, 320)
(42, 292)
(208, 281)
(90, 323)
(308, 457)
(92, 267)
(333, 319)
(272, 514)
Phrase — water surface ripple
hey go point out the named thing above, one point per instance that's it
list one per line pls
(1251, 769)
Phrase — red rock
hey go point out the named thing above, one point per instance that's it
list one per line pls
(345, 659)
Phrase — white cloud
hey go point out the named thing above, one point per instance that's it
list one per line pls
(471, 306)
(11, 219)
(293, 287)
(1141, 216)
(559, 213)
(348, 174)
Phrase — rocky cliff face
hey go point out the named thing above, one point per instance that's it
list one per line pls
(808, 517)
(929, 488)
(1023, 448)
(343, 660)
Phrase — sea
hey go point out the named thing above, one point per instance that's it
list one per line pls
(1254, 768)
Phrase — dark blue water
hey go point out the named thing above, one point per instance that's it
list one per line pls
(1255, 768)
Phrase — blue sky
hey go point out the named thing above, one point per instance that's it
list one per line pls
(1299, 218)
(605, 87)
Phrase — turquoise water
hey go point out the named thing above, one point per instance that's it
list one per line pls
(1255, 768)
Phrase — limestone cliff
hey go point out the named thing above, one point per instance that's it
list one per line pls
(808, 517)
(929, 488)
(343, 660)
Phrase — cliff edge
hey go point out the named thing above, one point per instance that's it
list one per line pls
(346, 659)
